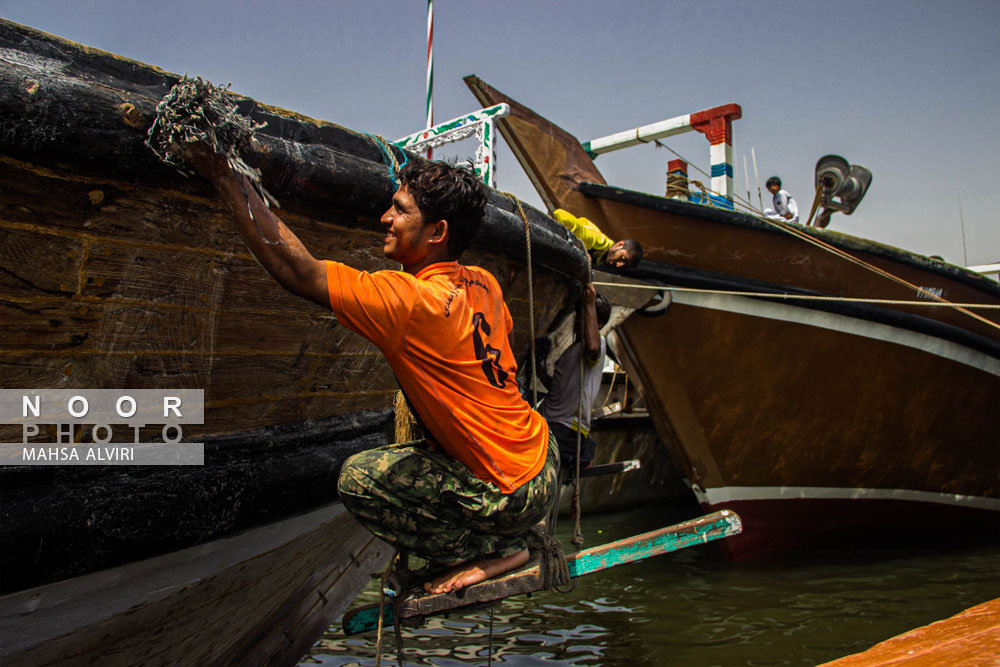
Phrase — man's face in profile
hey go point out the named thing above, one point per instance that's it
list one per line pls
(618, 256)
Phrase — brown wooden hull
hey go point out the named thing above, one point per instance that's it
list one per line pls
(625, 438)
(847, 408)
(768, 403)
(967, 639)
(261, 598)
(117, 272)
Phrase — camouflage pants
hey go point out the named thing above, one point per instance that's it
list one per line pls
(429, 504)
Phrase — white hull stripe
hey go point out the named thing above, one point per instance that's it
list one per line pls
(725, 494)
(850, 325)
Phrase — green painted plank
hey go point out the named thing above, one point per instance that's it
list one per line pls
(671, 538)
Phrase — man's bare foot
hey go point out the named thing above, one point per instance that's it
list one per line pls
(474, 571)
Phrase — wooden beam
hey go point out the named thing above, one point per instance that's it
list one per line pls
(528, 579)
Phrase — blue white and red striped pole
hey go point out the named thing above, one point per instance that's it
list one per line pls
(430, 68)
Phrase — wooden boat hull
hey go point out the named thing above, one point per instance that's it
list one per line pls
(626, 437)
(759, 432)
(260, 597)
(119, 273)
(806, 417)
(967, 639)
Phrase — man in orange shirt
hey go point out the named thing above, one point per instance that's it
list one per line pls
(488, 470)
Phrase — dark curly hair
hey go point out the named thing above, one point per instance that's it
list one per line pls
(447, 192)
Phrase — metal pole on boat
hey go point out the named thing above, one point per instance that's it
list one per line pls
(756, 177)
(746, 179)
(961, 221)
(430, 69)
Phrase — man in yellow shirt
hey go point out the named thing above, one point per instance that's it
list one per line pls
(603, 251)
(488, 470)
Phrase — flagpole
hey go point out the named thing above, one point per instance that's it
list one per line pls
(430, 68)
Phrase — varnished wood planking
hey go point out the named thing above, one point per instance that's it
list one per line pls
(241, 611)
(755, 251)
(72, 327)
(763, 439)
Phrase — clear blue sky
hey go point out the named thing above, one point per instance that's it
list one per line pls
(907, 88)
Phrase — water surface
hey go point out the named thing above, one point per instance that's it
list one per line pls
(693, 609)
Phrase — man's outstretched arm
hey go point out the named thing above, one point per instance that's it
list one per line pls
(277, 249)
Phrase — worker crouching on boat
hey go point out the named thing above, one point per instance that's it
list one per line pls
(488, 470)
(602, 250)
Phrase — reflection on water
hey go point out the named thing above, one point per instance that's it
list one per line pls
(695, 610)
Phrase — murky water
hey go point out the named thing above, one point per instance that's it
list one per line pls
(693, 609)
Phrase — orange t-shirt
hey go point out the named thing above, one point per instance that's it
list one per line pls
(444, 333)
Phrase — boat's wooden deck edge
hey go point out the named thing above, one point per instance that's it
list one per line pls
(970, 638)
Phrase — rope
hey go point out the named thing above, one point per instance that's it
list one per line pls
(611, 388)
(398, 631)
(791, 229)
(381, 609)
(554, 568)
(577, 539)
(794, 229)
(701, 186)
(531, 294)
(577, 533)
(404, 423)
(389, 579)
(389, 157)
(815, 205)
(813, 297)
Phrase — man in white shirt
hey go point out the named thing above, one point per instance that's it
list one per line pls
(567, 408)
(785, 207)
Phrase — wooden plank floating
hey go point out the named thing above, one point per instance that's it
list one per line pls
(528, 578)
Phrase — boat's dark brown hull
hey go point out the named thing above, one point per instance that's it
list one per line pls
(768, 403)
(258, 598)
(774, 413)
(118, 273)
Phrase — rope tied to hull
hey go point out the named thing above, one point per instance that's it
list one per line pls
(554, 568)
(531, 293)
(389, 157)
(555, 571)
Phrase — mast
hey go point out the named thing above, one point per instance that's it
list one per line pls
(430, 70)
